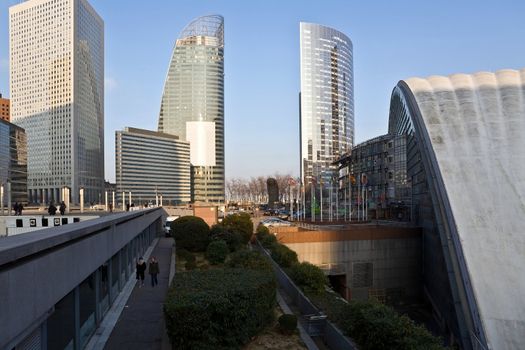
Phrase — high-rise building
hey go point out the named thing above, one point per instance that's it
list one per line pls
(326, 101)
(151, 164)
(57, 95)
(192, 104)
(4, 109)
(13, 162)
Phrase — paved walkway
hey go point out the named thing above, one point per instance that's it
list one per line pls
(141, 324)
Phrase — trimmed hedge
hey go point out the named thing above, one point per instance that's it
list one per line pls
(218, 308)
(376, 326)
(241, 223)
(287, 323)
(249, 260)
(268, 241)
(191, 233)
(217, 252)
(233, 238)
(186, 255)
(262, 231)
(308, 277)
(283, 256)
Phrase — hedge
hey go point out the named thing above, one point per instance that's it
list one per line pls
(218, 308)
(308, 277)
(249, 260)
(191, 233)
(233, 238)
(283, 256)
(376, 326)
(262, 231)
(241, 223)
(217, 252)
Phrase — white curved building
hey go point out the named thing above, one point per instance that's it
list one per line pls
(192, 105)
(466, 162)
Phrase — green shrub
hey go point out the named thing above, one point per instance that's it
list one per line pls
(217, 252)
(288, 323)
(249, 260)
(190, 265)
(218, 308)
(308, 277)
(186, 255)
(241, 223)
(268, 241)
(191, 233)
(283, 256)
(262, 231)
(233, 238)
(377, 326)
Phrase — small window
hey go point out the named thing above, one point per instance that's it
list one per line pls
(19, 223)
(45, 222)
(76, 219)
(64, 221)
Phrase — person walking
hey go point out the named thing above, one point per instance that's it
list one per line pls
(52, 209)
(141, 268)
(20, 208)
(153, 271)
(62, 208)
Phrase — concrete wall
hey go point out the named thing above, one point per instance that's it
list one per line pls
(37, 269)
(390, 257)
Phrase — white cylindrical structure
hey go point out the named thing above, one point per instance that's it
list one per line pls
(82, 199)
(2, 197)
(161, 200)
(123, 201)
(106, 201)
(129, 196)
(113, 200)
(8, 192)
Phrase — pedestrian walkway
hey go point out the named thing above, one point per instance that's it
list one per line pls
(141, 324)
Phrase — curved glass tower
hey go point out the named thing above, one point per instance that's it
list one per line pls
(192, 104)
(327, 99)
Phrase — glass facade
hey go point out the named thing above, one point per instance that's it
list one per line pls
(326, 101)
(57, 95)
(13, 162)
(194, 91)
(150, 163)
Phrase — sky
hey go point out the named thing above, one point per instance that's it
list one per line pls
(392, 40)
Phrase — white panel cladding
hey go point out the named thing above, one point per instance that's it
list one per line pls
(476, 126)
(201, 136)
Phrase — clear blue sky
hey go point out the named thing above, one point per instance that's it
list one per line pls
(392, 40)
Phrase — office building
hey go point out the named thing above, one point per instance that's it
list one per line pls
(57, 95)
(4, 109)
(465, 138)
(373, 178)
(151, 164)
(13, 163)
(192, 104)
(326, 103)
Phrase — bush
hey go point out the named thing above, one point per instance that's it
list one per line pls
(217, 252)
(218, 308)
(190, 265)
(241, 223)
(283, 256)
(186, 255)
(262, 231)
(249, 260)
(233, 238)
(377, 326)
(191, 233)
(308, 277)
(268, 241)
(288, 323)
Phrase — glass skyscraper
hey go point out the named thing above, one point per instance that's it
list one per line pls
(326, 101)
(193, 103)
(13, 162)
(57, 95)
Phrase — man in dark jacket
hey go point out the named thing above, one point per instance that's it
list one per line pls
(154, 271)
(141, 269)
(52, 209)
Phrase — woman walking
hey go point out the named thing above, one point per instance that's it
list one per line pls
(141, 269)
(154, 271)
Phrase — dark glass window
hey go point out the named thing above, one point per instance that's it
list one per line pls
(61, 324)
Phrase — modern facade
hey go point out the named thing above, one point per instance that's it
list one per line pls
(465, 141)
(13, 163)
(192, 105)
(326, 104)
(151, 164)
(5, 107)
(57, 95)
(374, 176)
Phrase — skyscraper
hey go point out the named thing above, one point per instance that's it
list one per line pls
(57, 95)
(326, 101)
(192, 104)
